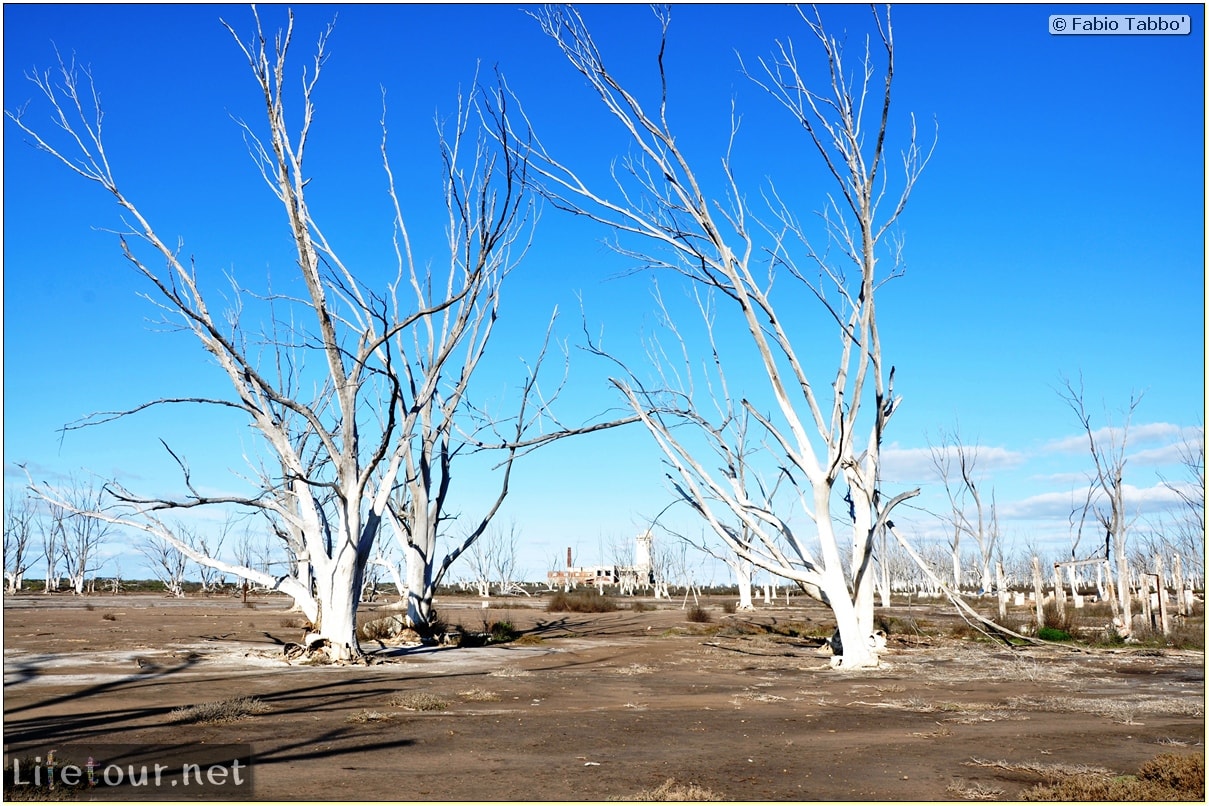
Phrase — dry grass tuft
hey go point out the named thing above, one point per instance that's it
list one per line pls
(217, 713)
(1124, 711)
(479, 695)
(380, 629)
(1044, 769)
(972, 790)
(669, 790)
(418, 701)
(635, 668)
(364, 716)
(582, 600)
(756, 696)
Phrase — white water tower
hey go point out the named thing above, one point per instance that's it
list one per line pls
(642, 553)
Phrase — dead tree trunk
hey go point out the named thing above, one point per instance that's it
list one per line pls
(1038, 592)
(1177, 578)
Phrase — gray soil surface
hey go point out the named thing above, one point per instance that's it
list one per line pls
(594, 706)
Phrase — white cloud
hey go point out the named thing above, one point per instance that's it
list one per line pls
(1140, 433)
(15, 474)
(916, 463)
(1164, 455)
(1063, 479)
(1046, 506)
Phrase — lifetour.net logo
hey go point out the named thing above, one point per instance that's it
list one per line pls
(129, 772)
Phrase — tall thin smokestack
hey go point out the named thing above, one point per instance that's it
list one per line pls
(568, 556)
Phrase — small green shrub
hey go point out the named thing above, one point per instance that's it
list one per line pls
(1064, 622)
(502, 632)
(1053, 634)
(799, 629)
(1109, 638)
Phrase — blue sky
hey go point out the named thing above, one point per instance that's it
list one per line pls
(1058, 230)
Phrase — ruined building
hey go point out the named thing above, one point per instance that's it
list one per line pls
(627, 577)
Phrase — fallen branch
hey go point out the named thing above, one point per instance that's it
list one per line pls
(994, 630)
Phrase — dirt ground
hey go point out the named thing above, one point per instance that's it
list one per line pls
(603, 706)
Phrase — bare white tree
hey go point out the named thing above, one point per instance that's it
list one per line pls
(739, 565)
(661, 569)
(683, 568)
(387, 559)
(1187, 533)
(507, 559)
(816, 439)
(358, 388)
(742, 569)
(208, 544)
(50, 531)
(20, 516)
(244, 550)
(956, 464)
(556, 566)
(166, 561)
(1106, 484)
(419, 510)
(334, 455)
(480, 562)
(80, 538)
